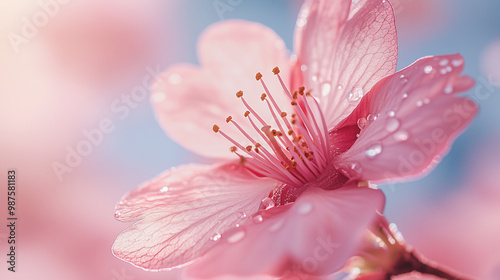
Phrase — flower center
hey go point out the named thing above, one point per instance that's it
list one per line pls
(292, 148)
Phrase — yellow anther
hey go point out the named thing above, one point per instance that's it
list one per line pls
(283, 114)
(276, 70)
(258, 76)
(239, 94)
(216, 128)
(228, 119)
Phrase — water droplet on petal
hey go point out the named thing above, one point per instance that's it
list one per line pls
(314, 78)
(356, 168)
(356, 94)
(305, 208)
(443, 62)
(362, 123)
(448, 89)
(391, 114)
(427, 69)
(401, 136)
(392, 125)
(457, 62)
(371, 117)
(339, 87)
(117, 214)
(216, 236)
(257, 219)
(164, 189)
(449, 69)
(236, 236)
(242, 215)
(402, 76)
(443, 71)
(419, 103)
(303, 67)
(373, 150)
(405, 95)
(325, 88)
(427, 101)
(266, 203)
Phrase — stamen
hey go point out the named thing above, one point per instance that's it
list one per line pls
(295, 151)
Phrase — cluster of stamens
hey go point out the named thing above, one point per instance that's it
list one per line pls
(296, 150)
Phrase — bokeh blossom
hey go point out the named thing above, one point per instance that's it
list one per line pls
(290, 193)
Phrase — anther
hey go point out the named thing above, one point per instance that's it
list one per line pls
(301, 90)
(216, 128)
(239, 94)
(263, 97)
(290, 132)
(247, 113)
(228, 119)
(233, 149)
(258, 76)
(249, 148)
(283, 114)
(276, 70)
(293, 103)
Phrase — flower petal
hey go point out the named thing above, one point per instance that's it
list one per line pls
(343, 51)
(181, 210)
(313, 236)
(417, 118)
(189, 100)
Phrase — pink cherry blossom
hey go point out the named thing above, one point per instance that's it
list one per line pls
(290, 195)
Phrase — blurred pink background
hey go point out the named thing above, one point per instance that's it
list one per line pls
(88, 64)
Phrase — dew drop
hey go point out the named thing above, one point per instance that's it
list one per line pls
(457, 62)
(339, 87)
(427, 101)
(427, 69)
(401, 136)
(391, 114)
(371, 117)
(266, 203)
(236, 236)
(305, 208)
(242, 215)
(164, 189)
(405, 95)
(443, 71)
(303, 67)
(362, 123)
(117, 214)
(325, 89)
(449, 69)
(314, 78)
(448, 89)
(402, 76)
(419, 103)
(356, 94)
(373, 150)
(443, 62)
(392, 125)
(257, 219)
(216, 236)
(356, 168)
(301, 22)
